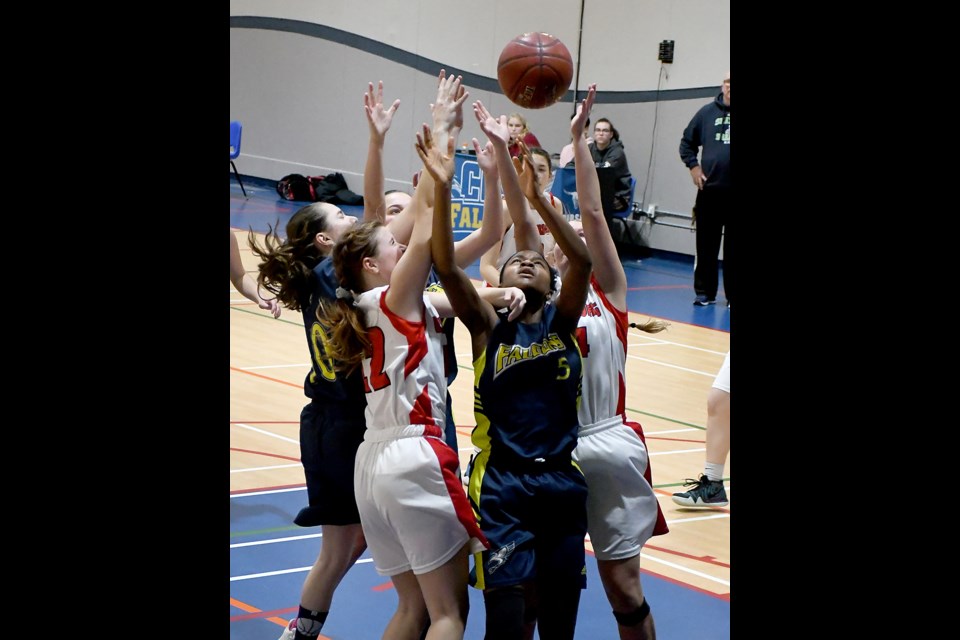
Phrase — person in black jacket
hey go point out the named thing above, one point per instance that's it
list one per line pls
(608, 153)
(709, 134)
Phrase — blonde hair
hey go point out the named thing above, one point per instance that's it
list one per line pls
(650, 326)
(523, 122)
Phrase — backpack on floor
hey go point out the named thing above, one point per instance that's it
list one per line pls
(296, 187)
(329, 188)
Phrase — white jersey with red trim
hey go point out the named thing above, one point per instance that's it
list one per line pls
(622, 509)
(404, 378)
(602, 334)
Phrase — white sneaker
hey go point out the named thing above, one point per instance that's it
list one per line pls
(290, 631)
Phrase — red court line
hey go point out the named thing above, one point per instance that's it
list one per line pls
(298, 385)
(278, 487)
(707, 559)
(261, 453)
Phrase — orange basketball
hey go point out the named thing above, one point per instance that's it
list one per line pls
(534, 70)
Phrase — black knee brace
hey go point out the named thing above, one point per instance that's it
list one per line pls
(634, 617)
(505, 612)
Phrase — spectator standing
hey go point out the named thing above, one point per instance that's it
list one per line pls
(708, 135)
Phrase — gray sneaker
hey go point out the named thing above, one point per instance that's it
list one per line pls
(703, 493)
(703, 301)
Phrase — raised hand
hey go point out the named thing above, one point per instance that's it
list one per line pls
(486, 159)
(579, 120)
(495, 129)
(378, 118)
(439, 165)
(448, 107)
(527, 174)
(461, 98)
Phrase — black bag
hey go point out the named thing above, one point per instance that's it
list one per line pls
(331, 188)
(295, 187)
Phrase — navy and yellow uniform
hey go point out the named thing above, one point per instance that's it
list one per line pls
(450, 364)
(528, 495)
(332, 424)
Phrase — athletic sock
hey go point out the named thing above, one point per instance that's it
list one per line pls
(713, 471)
(309, 623)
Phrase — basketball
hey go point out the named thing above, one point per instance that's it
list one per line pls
(534, 70)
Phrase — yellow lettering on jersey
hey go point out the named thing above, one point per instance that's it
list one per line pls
(318, 343)
(510, 354)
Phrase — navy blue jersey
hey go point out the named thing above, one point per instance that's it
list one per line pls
(323, 384)
(527, 389)
(449, 363)
(449, 356)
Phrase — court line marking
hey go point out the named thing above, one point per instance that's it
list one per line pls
(267, 492)
(651, 433)
(285, 571)
(279, 466)
(275, 540)
(679, 567)
(274, 366)
(661, 341)
(267, 433)
(699, 518)
(268, 574)
(673, 366)
(670, 453)
(712, 374)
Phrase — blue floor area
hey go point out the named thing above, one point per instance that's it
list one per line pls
(365, 600)
(661, 285)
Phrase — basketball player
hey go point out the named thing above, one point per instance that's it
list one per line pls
(299, 271)
(529, 497)
(415, 515)
(523, 223)
(622, 510)
(384, 206)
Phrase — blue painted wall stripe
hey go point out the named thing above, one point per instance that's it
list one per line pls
(425, 65)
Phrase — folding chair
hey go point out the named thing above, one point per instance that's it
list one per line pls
(235, 130)
(620, 216)
(564, 189)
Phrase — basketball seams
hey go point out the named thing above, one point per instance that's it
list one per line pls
(538, 67)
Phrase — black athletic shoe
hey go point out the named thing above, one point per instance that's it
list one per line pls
(704, 493)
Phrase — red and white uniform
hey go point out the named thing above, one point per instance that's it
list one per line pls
(413, 509)
(622, 509)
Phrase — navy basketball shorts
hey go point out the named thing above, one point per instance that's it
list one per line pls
(535, 524)
(329, 438)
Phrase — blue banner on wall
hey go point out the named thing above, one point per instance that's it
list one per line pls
(466, 195)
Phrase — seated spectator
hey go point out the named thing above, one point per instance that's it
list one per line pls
(608, 153)
(519, 131)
